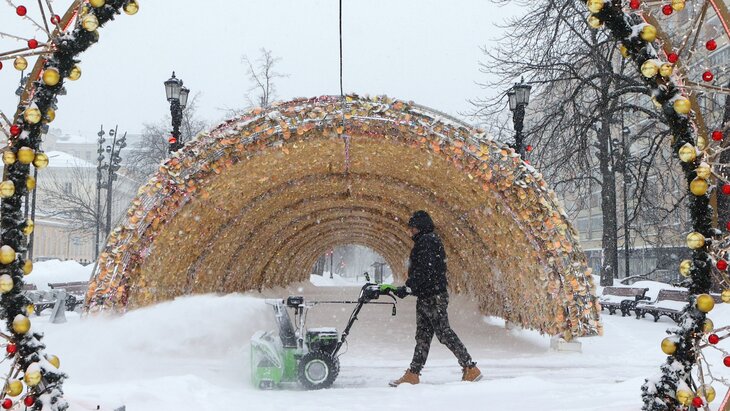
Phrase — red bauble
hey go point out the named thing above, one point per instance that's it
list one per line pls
(721, 265)
(697, 402)
(667, 9)
(172, 140)
(11, 348)
(717, 135)
(634, 4)
(15, 130)
(21, 10)
(55, 19)
(1, 65)
(711, 45)
(672, 57)
(713, 339)
(708, 76)
(726, 361)
(7, 403)
(726, 189)
(32, 43)
(528, 148)
(29, 401)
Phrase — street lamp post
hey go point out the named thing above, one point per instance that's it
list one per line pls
(625, 131)
(177, 95)
(519, 98)
(112, 165)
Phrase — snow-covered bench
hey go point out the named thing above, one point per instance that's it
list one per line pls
(75, 292)
(669, 303)
(622, 298)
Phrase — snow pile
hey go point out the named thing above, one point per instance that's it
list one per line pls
(55, 271)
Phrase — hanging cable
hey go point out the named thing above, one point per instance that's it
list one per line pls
(342, 102)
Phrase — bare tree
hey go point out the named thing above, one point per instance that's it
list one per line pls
(262, 74)
(71, 195)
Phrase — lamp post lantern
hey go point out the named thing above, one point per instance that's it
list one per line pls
(177, 95)
(519, 98)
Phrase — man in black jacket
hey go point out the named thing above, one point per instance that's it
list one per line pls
(427, 281)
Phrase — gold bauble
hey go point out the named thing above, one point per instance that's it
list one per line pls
(9, 157)
(29, 226)
(707, 326)
(649, 69)
(705, 303)
(703, 170)
(29, 310)
(682, 105)
(97, 3)
(648, 33)
(668, 346)
(701, 142)
(595, 6)
(14, 388)
(21, 324)
(695, 240)
(131, 8)
(684, 397)
(27, 267)
(20, 63)
(666, 70)
(7, 254)
(51, 76)
(687, 153)
(32, 115)
(32, 378)
(707, 392)
(75, 73)
(40, 161)
(30, 183)
(685, 267)
(678, 5)
(50, 115)
(25, 155)
(7, 189)
(725, 296)
(624, 51)
(6, 283)
(594, 22)
(698, 186)
(55, 361)
(90, 22)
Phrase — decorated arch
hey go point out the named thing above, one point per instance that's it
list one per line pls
(254, 202)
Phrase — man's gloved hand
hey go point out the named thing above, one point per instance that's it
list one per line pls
(402, 292)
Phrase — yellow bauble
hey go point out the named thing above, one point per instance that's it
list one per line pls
(595, 6)
(695, 240)
(707, 392)
(14, 388)
(51, 76)
(725, 296)
(624, 51)
(55, 361)
(594, 22)
(9, 157)
(698, 186)
(131, 8)
(705, 303)
(75, 73)
(685, 267)
(29, 309)
(50, 115)
(708, 326)
(678, 5)
(7, 254)
(90, 22)
(684, 397)
(27, 267)
(21, 324)
(668, 346)
(649, 69)
(26, 155)
(32, 378)
(666, 70)
(701, 142)
(687, 153)
(30, 183)
(28, 228)
(97, 3)
(648, 33)
(703, 171)
(7, 189)
(40, 161)
(32, 115)
(6, 283)
(682, 105)
(20, 63)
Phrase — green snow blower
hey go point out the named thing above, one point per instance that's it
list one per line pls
(309, 356)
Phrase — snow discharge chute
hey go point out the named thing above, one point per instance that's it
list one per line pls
(254, 202)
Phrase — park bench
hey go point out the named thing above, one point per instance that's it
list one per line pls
(75, 292)
(669, 303)
(622, 298)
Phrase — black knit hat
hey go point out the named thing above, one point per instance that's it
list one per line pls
(422, 221)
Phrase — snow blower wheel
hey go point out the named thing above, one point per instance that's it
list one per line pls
(318, 370)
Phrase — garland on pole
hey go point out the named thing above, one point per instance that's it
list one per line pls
(40, 373)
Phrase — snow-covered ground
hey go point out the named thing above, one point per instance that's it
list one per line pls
(55, 271)
(192, 354)
(339, 281)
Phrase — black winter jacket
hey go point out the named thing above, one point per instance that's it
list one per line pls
(427, 270)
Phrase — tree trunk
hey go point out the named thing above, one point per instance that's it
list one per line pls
(723, 201)
(609, 241)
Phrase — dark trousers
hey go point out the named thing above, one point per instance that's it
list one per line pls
(432, 318)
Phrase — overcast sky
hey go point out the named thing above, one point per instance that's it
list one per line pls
(421, 50)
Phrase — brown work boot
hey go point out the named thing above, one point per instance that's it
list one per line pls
(471, 373)
(409, 377)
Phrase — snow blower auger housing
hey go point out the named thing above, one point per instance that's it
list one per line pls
(309, 356)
